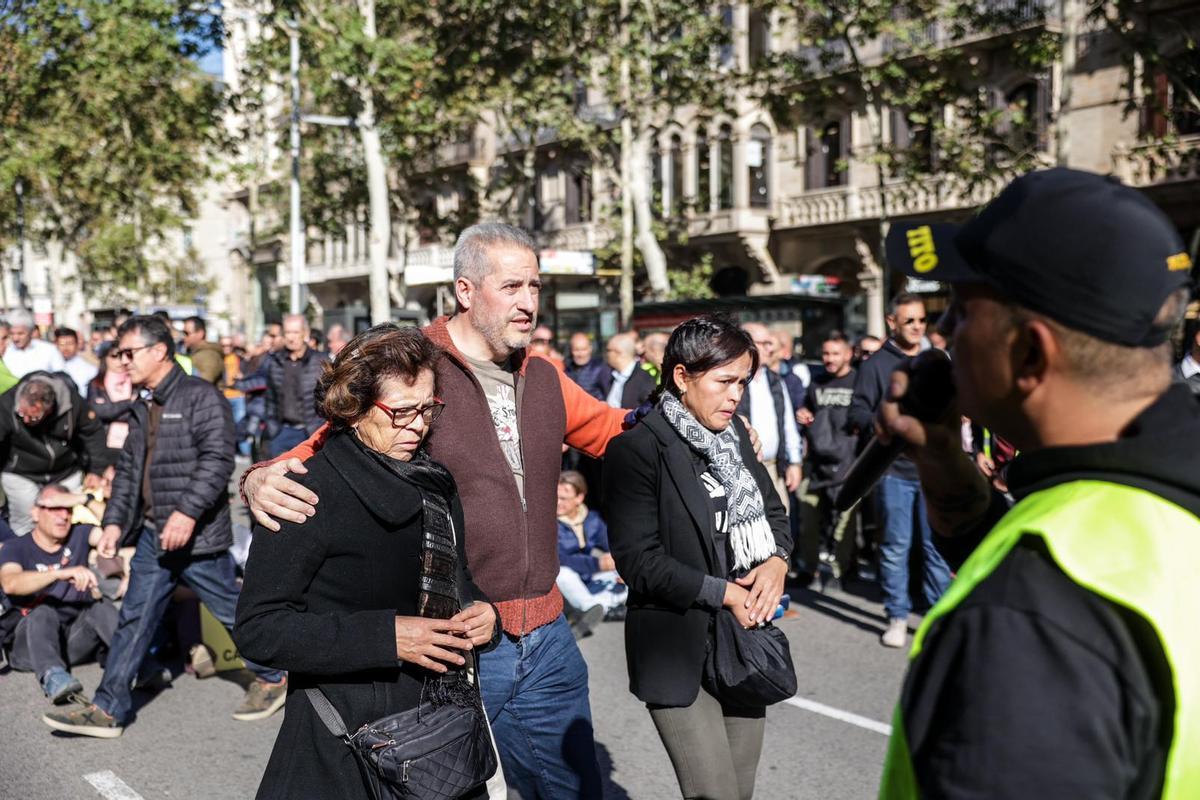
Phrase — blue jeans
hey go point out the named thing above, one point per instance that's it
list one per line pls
(238, 406)
(536, 692)
(151, 583)
(903, 508)
(288, 437)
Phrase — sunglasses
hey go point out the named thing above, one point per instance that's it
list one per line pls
(403, 417)
(126, 354)
(913, 321)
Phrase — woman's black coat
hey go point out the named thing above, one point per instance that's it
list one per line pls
(661, 526)
(320, 599)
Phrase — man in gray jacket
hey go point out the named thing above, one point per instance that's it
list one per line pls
(171, 494)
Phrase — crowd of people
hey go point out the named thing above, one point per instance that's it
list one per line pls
(440, 514)
(117, 455)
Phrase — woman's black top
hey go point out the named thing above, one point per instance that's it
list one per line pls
(663, 527)
(109, 412)
(320, 599)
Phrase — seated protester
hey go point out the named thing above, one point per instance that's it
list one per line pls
(58, 617)
(587, 574)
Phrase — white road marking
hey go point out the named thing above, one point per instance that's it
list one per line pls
(838, 714)
(110, 786)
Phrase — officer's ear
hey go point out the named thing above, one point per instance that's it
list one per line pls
(1036, 352)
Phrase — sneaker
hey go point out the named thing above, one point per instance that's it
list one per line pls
(59, 685)
(152, 677)
(896, 634)
(587, 620)
(84, 719)
(201, 661)
(261, 700)
(615, 614)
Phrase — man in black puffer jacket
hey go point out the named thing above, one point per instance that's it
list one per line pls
(292, 375)
(171, 493)
(47, 435)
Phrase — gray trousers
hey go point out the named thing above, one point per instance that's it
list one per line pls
(22, 493)
(714, 750)
(51, 636)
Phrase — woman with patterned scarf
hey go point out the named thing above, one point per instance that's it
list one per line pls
(697, 530)
(370, 599)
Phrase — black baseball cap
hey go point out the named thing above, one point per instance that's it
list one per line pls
(1081, 248)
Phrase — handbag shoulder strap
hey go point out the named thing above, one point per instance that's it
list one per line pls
(327, 713)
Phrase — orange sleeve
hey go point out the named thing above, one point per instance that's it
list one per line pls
(591, 423)
(303, 451)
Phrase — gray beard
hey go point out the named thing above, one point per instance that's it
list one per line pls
(501, 342)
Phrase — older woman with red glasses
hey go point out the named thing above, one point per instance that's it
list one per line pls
(370, 600)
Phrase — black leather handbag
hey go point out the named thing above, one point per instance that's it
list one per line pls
(439, 750)
(748, 667)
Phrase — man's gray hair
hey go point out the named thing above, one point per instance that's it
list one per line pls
(20, 318)
(51, 488)
(303, 320)
(37, 391)
(471, 249)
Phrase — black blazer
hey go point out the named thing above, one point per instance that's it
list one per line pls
(661, 526)
(319, 601)
(638, 388)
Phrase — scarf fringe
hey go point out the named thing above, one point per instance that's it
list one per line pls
(752, 542)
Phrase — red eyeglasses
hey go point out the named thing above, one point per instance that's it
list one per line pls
(405, 416)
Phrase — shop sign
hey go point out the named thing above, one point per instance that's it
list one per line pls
(567, 262)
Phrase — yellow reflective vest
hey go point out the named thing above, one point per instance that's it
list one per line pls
(1127, 545)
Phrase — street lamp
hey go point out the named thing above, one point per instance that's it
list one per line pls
(19, 188)
(295, 224)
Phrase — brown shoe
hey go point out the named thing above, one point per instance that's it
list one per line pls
(84, 719)
(261, 700)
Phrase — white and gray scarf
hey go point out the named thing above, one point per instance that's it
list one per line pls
(750, 536)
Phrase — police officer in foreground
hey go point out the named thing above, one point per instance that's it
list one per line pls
(1064, 660)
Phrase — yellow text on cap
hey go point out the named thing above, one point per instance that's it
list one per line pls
(920, 247)
(1179, 261)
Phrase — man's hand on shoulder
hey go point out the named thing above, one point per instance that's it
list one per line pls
(271, 495)
(755, 442)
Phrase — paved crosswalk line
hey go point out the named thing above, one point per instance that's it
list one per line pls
(110, 786)
(839, 714)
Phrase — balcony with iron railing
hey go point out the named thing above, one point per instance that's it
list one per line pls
(995, 18)
(424, 264)
(897, 198)
(1156, 163)
(585, 236)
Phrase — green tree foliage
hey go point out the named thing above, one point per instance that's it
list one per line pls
(108, 125)
(1160, 47)
(931, 67)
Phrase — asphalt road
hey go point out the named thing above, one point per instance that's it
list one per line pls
(827, 743)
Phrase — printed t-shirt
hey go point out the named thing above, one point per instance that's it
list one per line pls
(500, 388)
(74, 553)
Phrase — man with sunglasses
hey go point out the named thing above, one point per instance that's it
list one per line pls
(171, 495)
(58, 617)
(899, 492)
